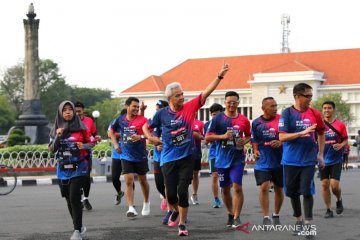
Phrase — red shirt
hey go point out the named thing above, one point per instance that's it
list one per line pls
(90, 124)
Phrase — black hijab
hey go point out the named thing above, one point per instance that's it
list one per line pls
(74, 125)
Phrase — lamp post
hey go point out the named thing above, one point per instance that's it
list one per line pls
(96, 115)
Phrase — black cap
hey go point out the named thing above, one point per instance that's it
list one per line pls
(162, 103)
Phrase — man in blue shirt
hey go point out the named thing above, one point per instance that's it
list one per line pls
(268, 153)
(214, 109)
(301, 129)
(176, 123)
(230, 131)
(133, 153)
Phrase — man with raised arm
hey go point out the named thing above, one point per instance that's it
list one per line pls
(176, 124)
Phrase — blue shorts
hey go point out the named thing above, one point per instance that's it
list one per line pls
(233, 174)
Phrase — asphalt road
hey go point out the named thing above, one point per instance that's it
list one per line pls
(38, 212)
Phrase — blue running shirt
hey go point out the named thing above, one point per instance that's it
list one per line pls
(227, 152)
(263, 132)
(114, 153)
(176, 129)
(301, 151)
(212, 148)
(131, 151)
(157, 154)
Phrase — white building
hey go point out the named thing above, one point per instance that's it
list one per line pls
(258, 76)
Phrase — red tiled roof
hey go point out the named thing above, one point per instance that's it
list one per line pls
(339, 66)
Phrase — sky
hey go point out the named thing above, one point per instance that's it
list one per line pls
(114, 44)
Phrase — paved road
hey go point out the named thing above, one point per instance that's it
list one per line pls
(38, 212)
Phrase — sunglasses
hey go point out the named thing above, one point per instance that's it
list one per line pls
(308, 96)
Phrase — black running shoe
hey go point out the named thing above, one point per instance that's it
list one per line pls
(266, 223)
(339, 207)
(329, 214)
(236, 222)
(298, 228)
(118, 197)
(230, 220)
(276, 220)
(87, 204)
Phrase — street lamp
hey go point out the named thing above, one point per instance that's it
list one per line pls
(96, 115)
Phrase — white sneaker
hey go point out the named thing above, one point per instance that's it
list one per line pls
(131, 212)
(146, 209)
(83, 230)
(76, 235)
(194, 199)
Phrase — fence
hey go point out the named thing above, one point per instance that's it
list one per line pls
(37, 160)
(43, 160)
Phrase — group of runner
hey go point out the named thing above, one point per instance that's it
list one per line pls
(287, 149)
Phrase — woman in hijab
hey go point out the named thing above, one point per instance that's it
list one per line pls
(70, 140)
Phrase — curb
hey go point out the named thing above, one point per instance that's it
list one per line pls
(105, 179)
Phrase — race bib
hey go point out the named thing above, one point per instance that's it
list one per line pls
(68, 149)
(178, 136)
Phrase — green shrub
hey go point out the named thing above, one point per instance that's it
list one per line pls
(17, 137)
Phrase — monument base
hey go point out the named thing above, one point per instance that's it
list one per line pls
(33, 122)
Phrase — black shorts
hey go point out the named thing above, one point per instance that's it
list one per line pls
(212, 165)
(157, 168)
(332, 171)
(179, 170)
(274, 175)
(197, 165)
(140, 168)
(299, 180)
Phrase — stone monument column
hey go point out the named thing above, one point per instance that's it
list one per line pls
(31, 119)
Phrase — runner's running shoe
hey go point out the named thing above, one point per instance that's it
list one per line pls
(131, 212)
(298, 228)
(165, 219)
(163, 204)
(146, 209)
(118, 197)
(236, 222)
(217, 203)
(173, 219)
(339, 207)
(183, 231)
(76, 235)
(194, 199)
(329, 214)
(230, 220)
(276, 220)
(87, 204)
(266, 223)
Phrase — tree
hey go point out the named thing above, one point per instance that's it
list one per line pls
(55, 94)
(89, 96)
(12, 85)
(48, 74)
(109, 109)
(53, 89)
(7, 114)
(342, 108)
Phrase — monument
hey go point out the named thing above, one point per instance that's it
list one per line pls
(32, 120)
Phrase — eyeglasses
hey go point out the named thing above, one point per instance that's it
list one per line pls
(233, 103)
(308, 96)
